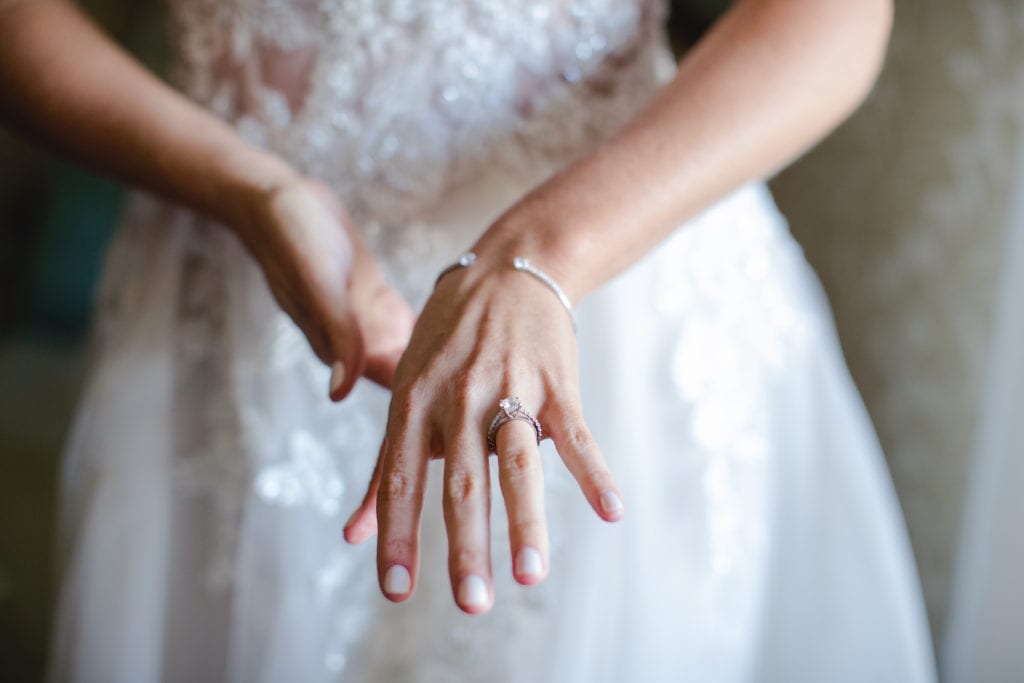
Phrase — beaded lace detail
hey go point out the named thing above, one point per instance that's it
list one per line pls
(394, 102)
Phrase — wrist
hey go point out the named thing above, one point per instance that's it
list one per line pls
(553, 247)
(248, 180)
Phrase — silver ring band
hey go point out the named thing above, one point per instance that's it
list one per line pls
(511, 409)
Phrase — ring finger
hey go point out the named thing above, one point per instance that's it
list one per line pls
(522, 485)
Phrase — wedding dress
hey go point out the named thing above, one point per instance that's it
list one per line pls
(986, 606)
(208, 477)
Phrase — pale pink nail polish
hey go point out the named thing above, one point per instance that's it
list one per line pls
(611, 503)
(397, 580)
(337, 377)
(529, 563)
(473, 592)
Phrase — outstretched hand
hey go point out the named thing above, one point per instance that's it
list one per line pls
(323, 276)
(486, 333)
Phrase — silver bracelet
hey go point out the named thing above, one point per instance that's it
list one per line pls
(465, 261)
(523, 265)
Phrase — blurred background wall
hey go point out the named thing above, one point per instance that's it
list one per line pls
(902, 212)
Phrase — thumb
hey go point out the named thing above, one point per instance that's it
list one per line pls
(347, 351)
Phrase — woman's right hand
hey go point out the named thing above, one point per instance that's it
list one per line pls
(323, 276)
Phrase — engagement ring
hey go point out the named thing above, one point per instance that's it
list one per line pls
(511, 409)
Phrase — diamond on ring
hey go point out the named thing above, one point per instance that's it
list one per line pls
(511, 405)
(511, 409)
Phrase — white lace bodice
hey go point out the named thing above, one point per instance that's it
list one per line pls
(394, 102)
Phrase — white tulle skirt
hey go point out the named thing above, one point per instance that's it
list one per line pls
(208, 479)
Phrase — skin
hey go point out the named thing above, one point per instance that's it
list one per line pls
(768, 81)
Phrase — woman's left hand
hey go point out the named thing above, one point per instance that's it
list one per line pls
(487, 332)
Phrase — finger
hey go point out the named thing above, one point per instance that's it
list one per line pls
(522, 486)
(345, 344)
(381, 368)
(385, 320)
(580, 453)
(363, 522)
(400, 499)
(467, 518)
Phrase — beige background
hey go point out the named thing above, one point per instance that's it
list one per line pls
(903, 213)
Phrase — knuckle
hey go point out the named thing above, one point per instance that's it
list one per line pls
(397, 487)
(580, 440)
(462, 488)
(519, 463)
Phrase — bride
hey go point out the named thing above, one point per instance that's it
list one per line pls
(608, 271)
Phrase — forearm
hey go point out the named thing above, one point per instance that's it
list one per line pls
(769, 80)
(65, 83)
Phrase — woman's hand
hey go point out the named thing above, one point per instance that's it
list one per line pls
(323, 276)
(486, 333)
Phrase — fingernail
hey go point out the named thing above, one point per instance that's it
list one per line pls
(397, 580)
(529, 563)
(611, 503)
(473, 592)
(337, 377)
